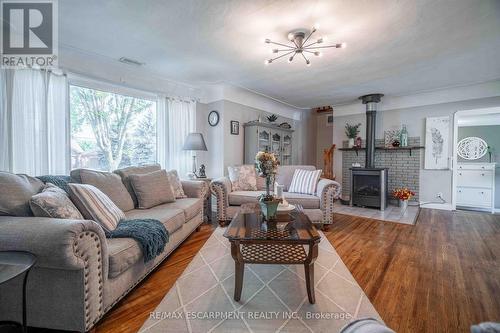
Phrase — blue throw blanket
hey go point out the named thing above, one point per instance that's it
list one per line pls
(59, 181)
(151, 235)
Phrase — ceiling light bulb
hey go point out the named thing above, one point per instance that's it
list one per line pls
(267, 62)
(315, 26)
(274, 51)
(267, 40)
(308, 63)
(318, 54)
(290, 59)
(319, 41)
(343, 45)
(291, 36)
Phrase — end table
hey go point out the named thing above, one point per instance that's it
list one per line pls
(12, 265)
(207, 204)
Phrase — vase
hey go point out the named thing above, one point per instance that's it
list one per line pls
(403, 205)
(269, 208)
(351, 142)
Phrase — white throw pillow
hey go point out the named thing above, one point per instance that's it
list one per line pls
(243, 177)
(95, 205)
(304, 181)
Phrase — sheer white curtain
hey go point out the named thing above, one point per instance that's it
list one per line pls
(37, 123)
(4, 123)
(176, 119)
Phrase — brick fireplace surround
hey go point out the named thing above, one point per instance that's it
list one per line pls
(404, 170)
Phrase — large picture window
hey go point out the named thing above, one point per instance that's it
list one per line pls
(110, 130)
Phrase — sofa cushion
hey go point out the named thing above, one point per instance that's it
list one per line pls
(190, 206)
(135, 170)
(54, 202)
(16, 192)
(123, 253)
(109, 183)
(285, 174)
(172, 218)
(243, 177)
(237, 198)
(95, 205)
(152, 189)
(307, 201)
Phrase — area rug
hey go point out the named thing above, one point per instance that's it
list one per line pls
(274, 297)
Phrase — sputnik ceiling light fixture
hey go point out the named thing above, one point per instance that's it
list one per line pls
(299, 46)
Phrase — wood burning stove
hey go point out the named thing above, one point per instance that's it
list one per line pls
(369, 184)
(369, 187)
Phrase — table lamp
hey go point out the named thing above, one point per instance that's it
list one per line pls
(195, 142)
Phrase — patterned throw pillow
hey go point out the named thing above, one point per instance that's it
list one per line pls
(176, 184)
(304, 181)
(54, 202)
(95, 205)
(243, 177)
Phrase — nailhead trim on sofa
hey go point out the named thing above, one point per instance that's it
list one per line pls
(220, 191)
(330, 194)
(82, 253)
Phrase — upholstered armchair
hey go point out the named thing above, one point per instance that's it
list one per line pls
(318, 207)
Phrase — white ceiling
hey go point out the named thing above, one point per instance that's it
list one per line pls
(395, 47)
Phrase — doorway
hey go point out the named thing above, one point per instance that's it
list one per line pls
(476, 160)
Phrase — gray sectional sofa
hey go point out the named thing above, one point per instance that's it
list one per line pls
(80, 274)
(318, 207)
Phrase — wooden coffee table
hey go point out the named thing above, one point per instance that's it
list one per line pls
(255, 241)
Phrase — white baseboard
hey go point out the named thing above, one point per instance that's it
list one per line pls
(444, 206)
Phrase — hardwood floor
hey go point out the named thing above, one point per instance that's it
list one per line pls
(441, 275)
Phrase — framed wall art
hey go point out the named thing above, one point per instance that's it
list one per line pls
(437, 141)
(235, 127)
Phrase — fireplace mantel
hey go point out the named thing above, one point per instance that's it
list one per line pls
(409, 148)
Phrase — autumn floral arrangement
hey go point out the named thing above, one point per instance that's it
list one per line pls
(403, 194)
(266, 165)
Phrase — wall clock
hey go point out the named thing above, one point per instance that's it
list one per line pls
(213, 118)
(472, 148)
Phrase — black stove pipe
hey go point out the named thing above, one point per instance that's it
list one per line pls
(371, 120)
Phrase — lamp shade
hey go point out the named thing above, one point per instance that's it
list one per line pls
(194, 141)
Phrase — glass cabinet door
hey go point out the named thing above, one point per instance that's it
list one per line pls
(264, 139)
(276, 145)
(287, 150)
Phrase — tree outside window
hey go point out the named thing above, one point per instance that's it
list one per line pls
(111, 131)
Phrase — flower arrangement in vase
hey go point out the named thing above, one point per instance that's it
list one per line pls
(266, 165)
(352, 131)
(403, 195)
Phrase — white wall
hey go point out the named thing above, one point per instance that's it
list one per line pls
(225, 149)
(431, 181)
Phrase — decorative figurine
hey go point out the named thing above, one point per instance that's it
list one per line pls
(201, 172)
(358, 142)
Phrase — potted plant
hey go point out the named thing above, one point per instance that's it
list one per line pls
(352, 131)
(403, 195)
(266, 165)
